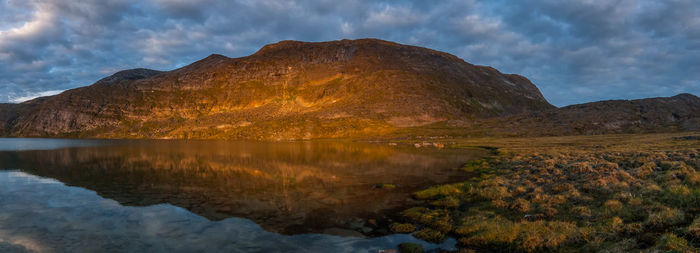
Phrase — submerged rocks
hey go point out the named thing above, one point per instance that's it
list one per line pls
(429, 144)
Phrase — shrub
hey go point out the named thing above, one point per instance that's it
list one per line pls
(681, 196)
(625, 245)
(665, 165)
(472, 223)
(563, 187)
(694, 229)
(693, 178)
(651, 188)
(476, 166)
(622, 196)
(580, 167)
(635, 201)
(549, 211)
(528, 236)
(557, 199)
(607, 167)
(482, 232)
(546, 235)
(582, 211)
(493, 192)
(573, 194)
(614, 225)
(448, 201)
(664, 217)
(436, 219)
(671, 243)
(613, 206)
(491, 181)
(436, 191)
(499, 203)
(645, 170)
(678, 190)
(549, 163)
(430, 235)
(633, 228)
(520, 205)
(415, 213)
(519, 190)
(672, 177)
(404, 228)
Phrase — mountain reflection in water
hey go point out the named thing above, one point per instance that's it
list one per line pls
(287, 188)
(43, 215)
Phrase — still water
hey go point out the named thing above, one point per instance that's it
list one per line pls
(59, 195)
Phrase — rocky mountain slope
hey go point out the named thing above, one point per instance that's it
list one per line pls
(286, 90)
(663, 114)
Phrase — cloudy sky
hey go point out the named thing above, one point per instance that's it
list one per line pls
(574, 51)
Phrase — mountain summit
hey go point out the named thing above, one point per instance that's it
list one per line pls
(286, 90)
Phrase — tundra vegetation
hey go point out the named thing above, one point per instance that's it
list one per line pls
(614, 193)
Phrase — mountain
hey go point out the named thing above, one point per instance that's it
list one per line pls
(348, 88)
(286, 90)
(650, 115)
(8, 113)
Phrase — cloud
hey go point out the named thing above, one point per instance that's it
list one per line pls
(31, 96)
(609, 49)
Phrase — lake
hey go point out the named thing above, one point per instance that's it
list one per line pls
(63, 195)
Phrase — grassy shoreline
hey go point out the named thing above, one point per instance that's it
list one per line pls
(613, 193)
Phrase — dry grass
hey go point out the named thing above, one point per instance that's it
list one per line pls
(573, 194)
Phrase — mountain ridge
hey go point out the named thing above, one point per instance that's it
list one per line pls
(292, 90)
(679, 113)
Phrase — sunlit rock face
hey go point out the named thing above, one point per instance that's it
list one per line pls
(288, 188)
(287, 90)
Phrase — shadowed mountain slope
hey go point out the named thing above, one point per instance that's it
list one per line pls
(650, 115)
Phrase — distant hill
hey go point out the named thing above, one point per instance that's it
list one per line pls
(650, 115)
(286, 90)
